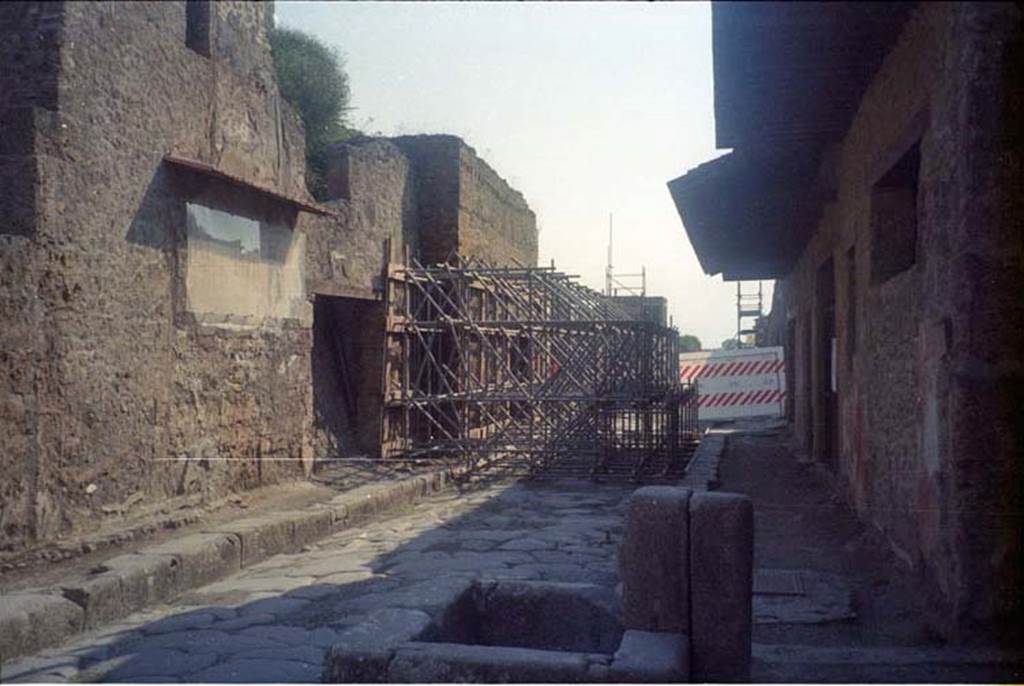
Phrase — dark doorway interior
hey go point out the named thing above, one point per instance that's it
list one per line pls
(347, 344)
(828, 399)
(808, 394)
(790, 361)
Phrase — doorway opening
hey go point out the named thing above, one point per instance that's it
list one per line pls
(828, 398)
(348, 335)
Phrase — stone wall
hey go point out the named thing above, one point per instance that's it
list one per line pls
(929, 447)
(495, 223)
(649, 308)
(427, 197)
(464, 206)
(114, 396)
(143, 361)
(437, 163)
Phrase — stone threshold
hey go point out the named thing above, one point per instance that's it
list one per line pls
(35, 619)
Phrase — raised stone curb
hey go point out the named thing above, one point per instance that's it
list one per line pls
(36, 619)
(702, 471)
(29, 621)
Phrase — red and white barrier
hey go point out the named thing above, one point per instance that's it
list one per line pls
(737, 383)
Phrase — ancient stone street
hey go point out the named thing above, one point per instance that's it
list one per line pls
(273, 621)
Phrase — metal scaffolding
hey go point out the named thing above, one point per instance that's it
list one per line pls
(523, 369)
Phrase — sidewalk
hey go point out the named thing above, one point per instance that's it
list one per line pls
(273, 621)
(831, 603)
(68, 600)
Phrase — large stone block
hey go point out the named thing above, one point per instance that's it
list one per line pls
(654, 560)
(203, 557)
(146, 579)
(460, 663)
(363, 652)
(310, 525)
(33, 621)
(721, 583)
(99, 597)
(260, 537)
(651, 657)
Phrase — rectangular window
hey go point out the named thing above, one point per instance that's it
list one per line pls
(851, 305)
(894, 218)
(197, 26)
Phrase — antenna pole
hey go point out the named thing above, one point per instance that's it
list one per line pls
(608, 269)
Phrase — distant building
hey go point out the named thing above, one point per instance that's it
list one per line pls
(876, 172)
(647, 308)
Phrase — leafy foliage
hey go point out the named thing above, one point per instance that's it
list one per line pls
(689, 344)
(311, 76)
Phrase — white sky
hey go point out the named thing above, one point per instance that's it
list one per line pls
(586, 108)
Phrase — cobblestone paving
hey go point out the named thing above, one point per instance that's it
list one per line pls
(272, 622)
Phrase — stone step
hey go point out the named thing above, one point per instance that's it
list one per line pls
(889, 656)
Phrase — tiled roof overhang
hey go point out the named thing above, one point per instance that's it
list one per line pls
(748, 217)
(211, 171)
(788, 79)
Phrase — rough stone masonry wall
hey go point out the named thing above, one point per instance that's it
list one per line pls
(107, 376)
(372, 186)
(436, 160)
(495, 223)
(465, 206)
(930, 435)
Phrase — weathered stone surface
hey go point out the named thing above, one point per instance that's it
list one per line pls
(198, 641)
(276, 606)
(289, 635)
(821, 598)
(651, 657)
(527, 544)
(203, 557)
(308, 525)
(32, 621)
(146, 579)
(257, 671)
(150, 663)
(362, 652)
(312, 655)
(196, 619)
(459, 663)
(261, 621)
(721, 583)
(261, 537)
(548, 616)
(129, 583)
(36, 669)
(654, 560)
(100, 597)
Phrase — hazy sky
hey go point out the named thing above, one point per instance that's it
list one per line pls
(586, 108)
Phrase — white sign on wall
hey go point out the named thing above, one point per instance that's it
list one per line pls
(750, 382)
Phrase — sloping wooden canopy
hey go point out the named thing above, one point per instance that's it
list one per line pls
(788, 79)
(211, 171)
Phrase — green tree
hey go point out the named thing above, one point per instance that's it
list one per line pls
(311, 76)
(730, 344)
(689, 344)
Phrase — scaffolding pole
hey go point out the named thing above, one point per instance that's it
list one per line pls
(523, 370)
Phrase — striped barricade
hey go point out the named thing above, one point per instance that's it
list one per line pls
(737, 383)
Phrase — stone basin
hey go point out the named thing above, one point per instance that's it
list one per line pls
(508, 632)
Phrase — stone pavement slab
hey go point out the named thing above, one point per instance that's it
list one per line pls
(269, 621)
